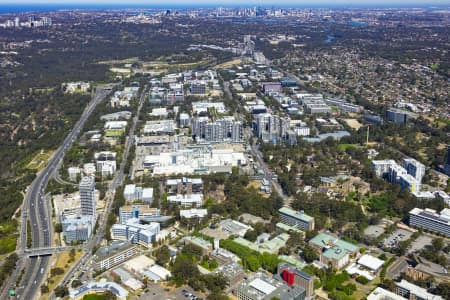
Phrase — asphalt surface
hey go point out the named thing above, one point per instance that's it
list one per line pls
(36, 210)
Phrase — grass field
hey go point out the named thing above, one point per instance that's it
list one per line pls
(94, 297)
(61, 262)
(40, 160)
(8, 236)
(8, 244)
(344, 147)
(229, 64)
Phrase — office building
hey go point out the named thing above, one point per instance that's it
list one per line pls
(233, 227)
(99, 288)
(198, 87)
(141, 212)
(185, 120)
(171, 97)
(443, 196)
(189, 200)
(288, 82)
(159, 127)
(87, 196)
(382, 294)
(374, 119)
(132, 192)
(184, 185)
(74, 173)
(314, 104)
(106, 167)
(77, 228)
(429, 219)
(293, 276)
(397, 115)
(136, 233)
(414, 168)
(147, 195)
(407, 178)
(333, 250)
(114, 254)
(344, 105)
(297, 219)
(193, 213)
(263, 287)
(271, 88)
(414, 292)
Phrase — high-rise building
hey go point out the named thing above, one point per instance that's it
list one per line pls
(293, 276)
(414, 168)
(87, 196)
(271, 128)
(224, 129)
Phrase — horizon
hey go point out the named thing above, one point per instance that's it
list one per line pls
(54, 5)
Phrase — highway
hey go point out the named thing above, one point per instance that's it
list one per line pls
(117, 181)
(37, 210)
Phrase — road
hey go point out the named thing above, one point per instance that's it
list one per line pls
(117, 181)
(37, 210)
(268, 174)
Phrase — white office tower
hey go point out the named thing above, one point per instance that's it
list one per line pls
(87, 196)
(414, 168)
(236, 134)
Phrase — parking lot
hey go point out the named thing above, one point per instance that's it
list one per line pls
(420, 243)
(397, 236)
(158, 292)
(374, 231)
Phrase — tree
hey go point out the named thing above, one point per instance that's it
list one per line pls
(217, 296)
(270, 262)
(56, 271)
(58, 227)
(162, 255)
(251, 235)
(184, 268)
(443, 289)
(61, 291)
(437, 244)
(309, 254)
(44, 289)
(253, 263)
(76, 283)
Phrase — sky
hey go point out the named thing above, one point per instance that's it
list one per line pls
(237, 2)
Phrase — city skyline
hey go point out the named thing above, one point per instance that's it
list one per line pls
(228, 3)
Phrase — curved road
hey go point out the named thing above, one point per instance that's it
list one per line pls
(38, 213)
